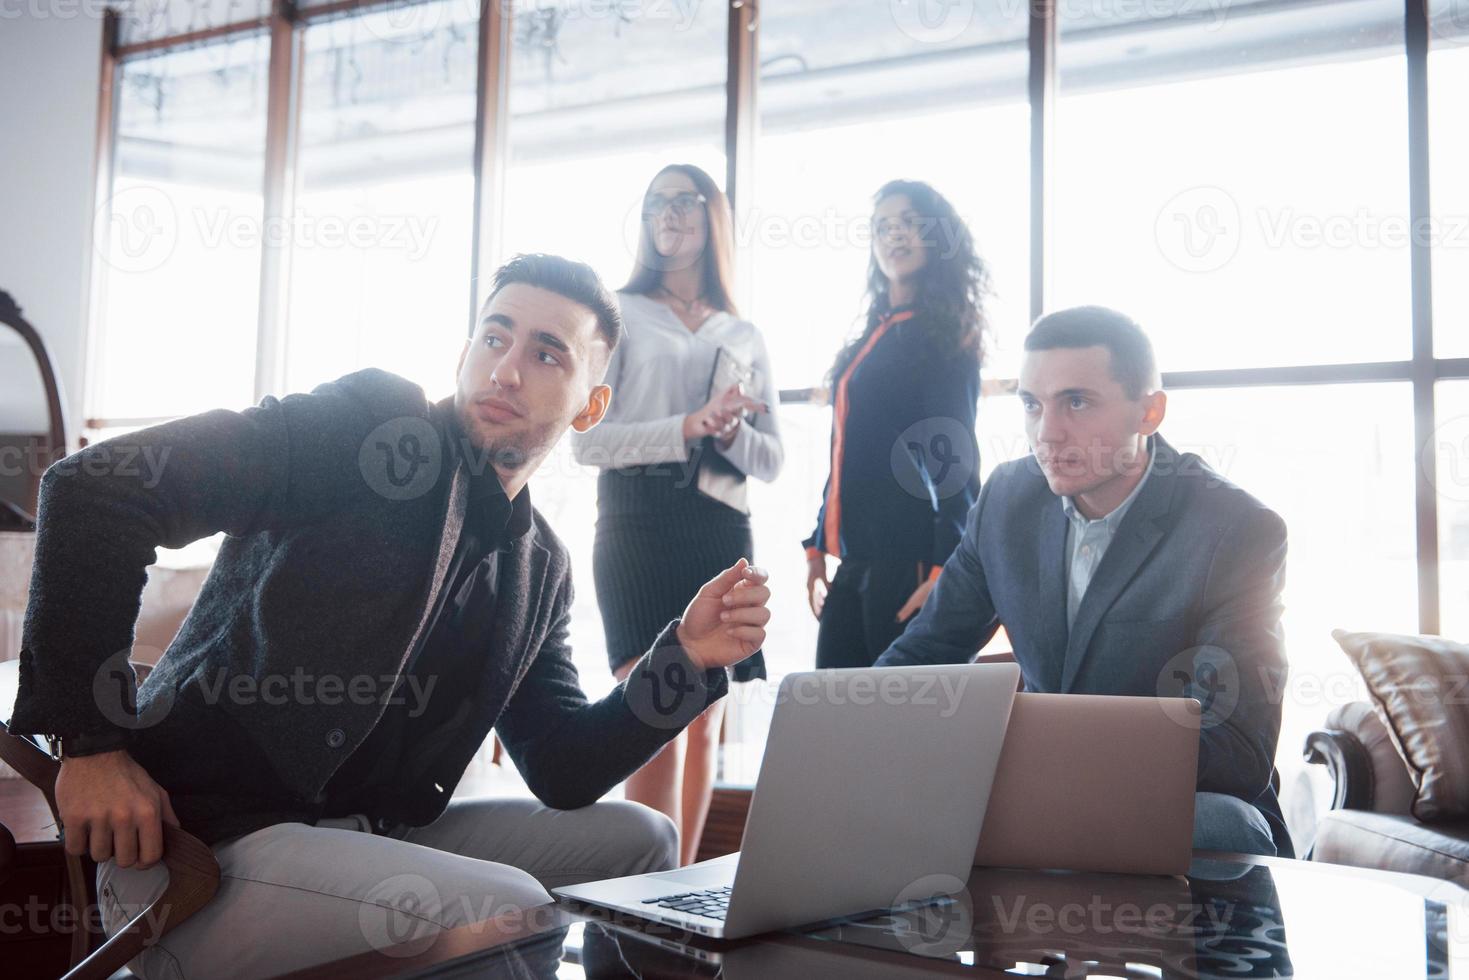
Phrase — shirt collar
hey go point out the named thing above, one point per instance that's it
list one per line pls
(1113, 519)
(486, 499)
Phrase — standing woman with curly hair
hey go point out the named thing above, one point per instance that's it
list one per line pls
(658, 535)
(904, 457)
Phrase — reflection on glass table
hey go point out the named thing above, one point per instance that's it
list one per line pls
(1231, 916)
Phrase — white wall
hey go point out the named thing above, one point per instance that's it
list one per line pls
(50, 59)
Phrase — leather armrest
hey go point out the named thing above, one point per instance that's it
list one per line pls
(1359, 753)
(1346, 759)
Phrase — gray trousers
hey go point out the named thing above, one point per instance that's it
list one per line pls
(294, 895)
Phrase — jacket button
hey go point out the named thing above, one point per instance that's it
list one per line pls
(335, 738)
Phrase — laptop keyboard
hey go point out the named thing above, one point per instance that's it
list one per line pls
(712, 903)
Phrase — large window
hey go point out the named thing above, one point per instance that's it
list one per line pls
(853, 95)
(1238, 183)
(1450, 449)
(1235, 175)
(1336, 463)
(1448, 67)
(380, 248)
(179, 237)
(601, 98)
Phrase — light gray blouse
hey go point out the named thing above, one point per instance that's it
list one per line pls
(659, 373)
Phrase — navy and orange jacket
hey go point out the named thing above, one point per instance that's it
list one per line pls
(904, 457)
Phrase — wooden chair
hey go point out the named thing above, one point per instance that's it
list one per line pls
(21, 514)
(193, 873)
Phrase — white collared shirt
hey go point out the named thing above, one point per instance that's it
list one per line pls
(1088, 540)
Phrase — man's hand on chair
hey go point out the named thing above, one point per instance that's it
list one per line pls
(111, 808)
(725, 622)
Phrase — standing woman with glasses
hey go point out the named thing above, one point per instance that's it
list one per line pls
(904, 457)
(659, 536)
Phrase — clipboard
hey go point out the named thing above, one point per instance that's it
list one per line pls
(729, 370)
(715, 475)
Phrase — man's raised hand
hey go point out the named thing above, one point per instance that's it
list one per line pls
(725, 622)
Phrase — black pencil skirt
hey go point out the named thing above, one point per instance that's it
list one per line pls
(658, 541)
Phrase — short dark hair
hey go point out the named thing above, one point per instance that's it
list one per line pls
(1133, 364)
(574, 280)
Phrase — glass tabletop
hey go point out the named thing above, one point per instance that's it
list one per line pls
(1225, 919)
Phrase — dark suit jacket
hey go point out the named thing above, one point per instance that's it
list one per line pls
(338, 538)
(1186, 601)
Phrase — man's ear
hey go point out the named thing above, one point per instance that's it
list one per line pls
(1155, 406)
(597, 403)
(463, 353)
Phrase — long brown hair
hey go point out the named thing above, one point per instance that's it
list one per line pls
(718, 259)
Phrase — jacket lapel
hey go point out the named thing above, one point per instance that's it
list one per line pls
(518, 607)
(448, 542)
(1051, 588)
(1142, 528)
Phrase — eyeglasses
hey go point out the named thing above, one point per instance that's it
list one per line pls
(655, 204)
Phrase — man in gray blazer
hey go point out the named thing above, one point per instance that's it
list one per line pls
(384, 596)
(1118, 565)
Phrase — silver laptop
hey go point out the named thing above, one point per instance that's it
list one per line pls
(870, 796)
(1091, 782)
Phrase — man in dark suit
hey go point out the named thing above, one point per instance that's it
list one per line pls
(1118, 565)
(384, 596)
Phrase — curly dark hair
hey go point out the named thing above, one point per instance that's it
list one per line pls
(953, 284)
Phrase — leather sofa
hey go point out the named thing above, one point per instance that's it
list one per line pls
(1370, 824)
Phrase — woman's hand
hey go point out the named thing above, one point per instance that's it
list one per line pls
(915, 601)
(720, 416)
(817, 584)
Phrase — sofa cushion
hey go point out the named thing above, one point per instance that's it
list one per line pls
(1419, 684)
(1394, 842)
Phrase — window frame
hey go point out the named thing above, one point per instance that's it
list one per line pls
(285, 21)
